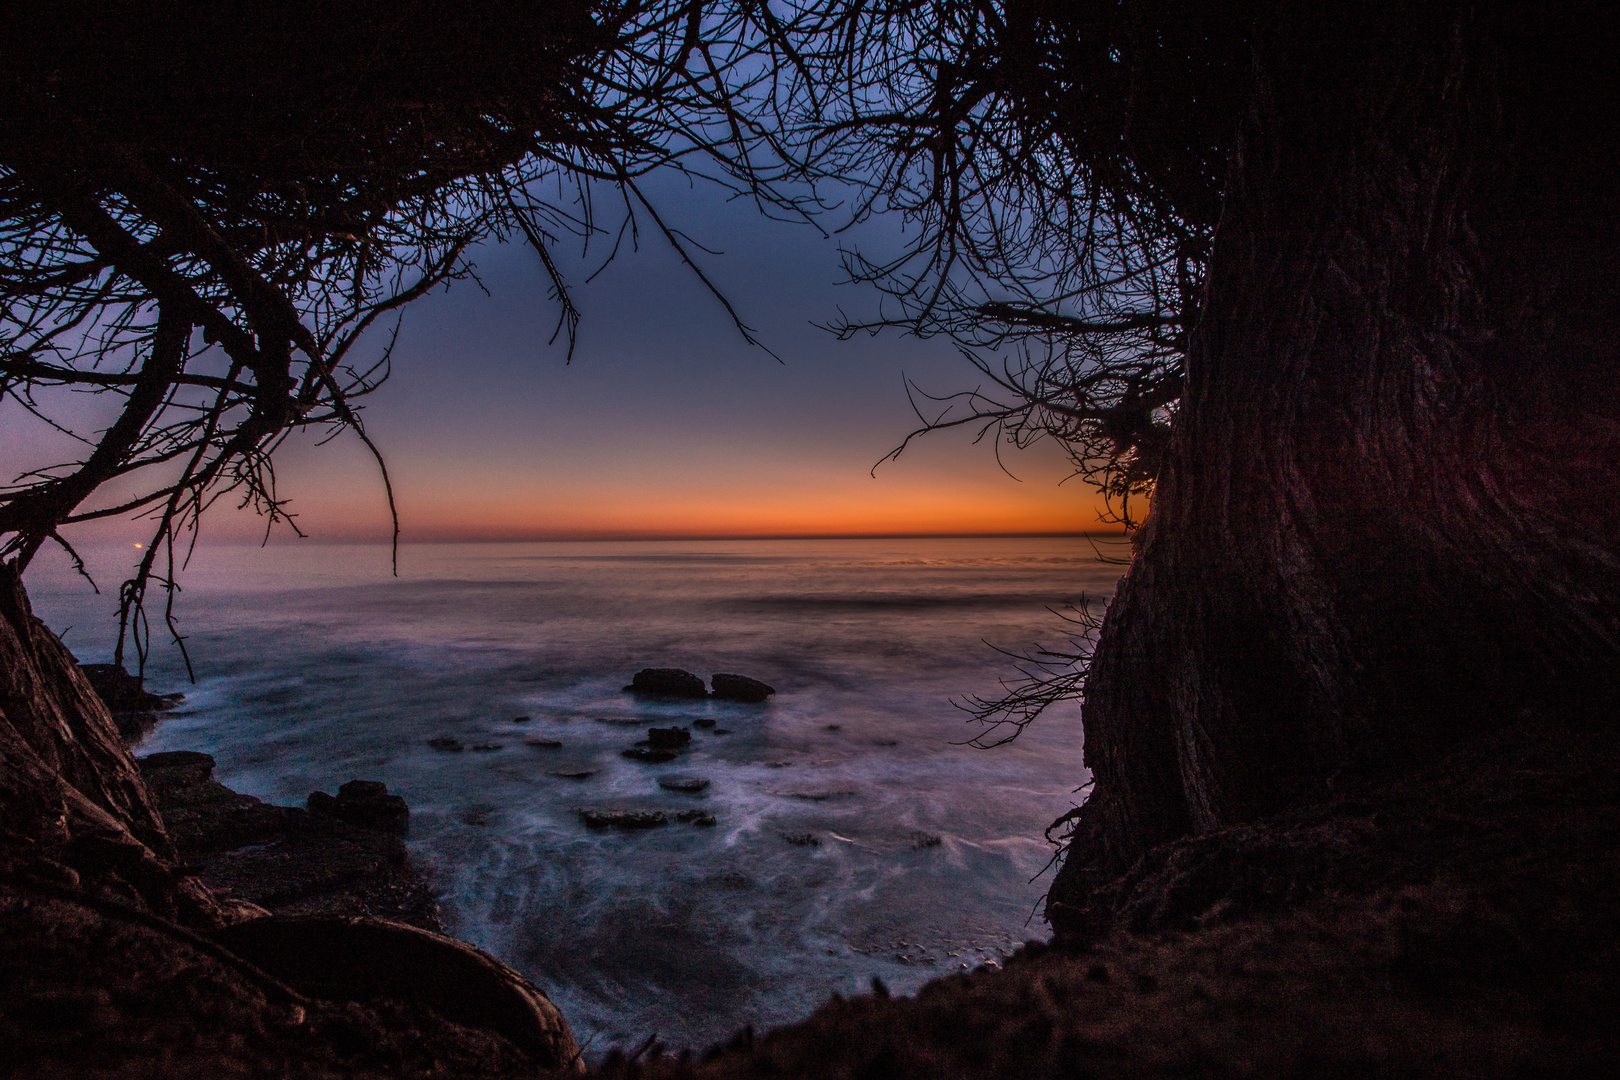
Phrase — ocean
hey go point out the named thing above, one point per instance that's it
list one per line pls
(856, 835)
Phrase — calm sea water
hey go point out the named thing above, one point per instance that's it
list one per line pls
(315, 667)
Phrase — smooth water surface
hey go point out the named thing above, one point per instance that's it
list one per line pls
(915, 854)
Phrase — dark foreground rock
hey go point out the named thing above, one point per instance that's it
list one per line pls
(287, 859)
(1460, 920)
(365, 803)
(356, 959)
(96, 989)
(667, 683)
(135, 709)
(740, 688)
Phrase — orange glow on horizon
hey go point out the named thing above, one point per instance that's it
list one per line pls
(831, 513)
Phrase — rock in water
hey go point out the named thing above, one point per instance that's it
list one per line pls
(651, 757)
(122, 691)
(667, 682)
(740, 688)
(623, 819)
(669, 738)
(689, 785)
(363, 802)
(358, 959)
(701, 818)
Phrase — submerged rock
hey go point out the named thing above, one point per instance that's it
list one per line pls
(701, 818)
(667, 682)
(444, 744)
(543, 744)
(575, 774)
(363, 802)
(802, 839)
(703, 722)
(649, 755)
(740, 688)
(623, 819)
(688, 785)
(669, 738)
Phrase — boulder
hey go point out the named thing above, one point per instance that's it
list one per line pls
(360, 959)
(667, 682)
(740, 688)
(669, 738)
(366, 803)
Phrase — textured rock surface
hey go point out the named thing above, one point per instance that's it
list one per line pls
(95, 992)
(72, 805)
(282, 857)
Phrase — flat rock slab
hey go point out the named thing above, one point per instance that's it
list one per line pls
(687, 785)
(623, 819)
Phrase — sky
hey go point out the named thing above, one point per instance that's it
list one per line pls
(666, 423)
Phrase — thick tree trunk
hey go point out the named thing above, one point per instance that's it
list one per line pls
(1389, 515)
(72, 803)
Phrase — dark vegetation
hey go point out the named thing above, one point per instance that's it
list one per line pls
(1336, 284)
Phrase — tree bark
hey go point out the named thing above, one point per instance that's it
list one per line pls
(1388, 514)
(73, 808)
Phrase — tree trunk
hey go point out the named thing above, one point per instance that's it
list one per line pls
(1389, 513)
(73, 808)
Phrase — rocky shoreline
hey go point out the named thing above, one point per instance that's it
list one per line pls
(343, 856)
(1448, 917)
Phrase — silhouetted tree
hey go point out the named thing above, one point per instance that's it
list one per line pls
(1336, 282)
(203, 209)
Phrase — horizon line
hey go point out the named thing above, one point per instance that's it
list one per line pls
(600, 538)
